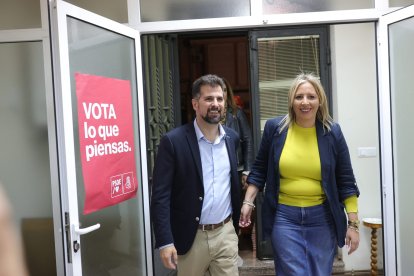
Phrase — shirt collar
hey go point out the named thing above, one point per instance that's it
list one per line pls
(200, 134)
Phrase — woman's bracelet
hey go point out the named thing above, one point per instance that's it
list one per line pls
(356, 229)
(249, 203)
(353, 223)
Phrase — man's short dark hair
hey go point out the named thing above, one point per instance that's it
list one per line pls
(210, 80)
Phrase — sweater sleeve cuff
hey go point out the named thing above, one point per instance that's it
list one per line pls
(351, 204)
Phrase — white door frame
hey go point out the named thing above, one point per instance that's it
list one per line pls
(60, 10)
(387, 172)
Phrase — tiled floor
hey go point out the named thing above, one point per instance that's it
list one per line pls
(251, 265)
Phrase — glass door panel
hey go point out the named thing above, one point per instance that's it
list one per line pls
(278, 56)
(397, 153)
(24, 152)
(401, 45)
(98, 47)
(280, 60)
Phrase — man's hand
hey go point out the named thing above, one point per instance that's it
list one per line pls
(244, 182)
(169, 257)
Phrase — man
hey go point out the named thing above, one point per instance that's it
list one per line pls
(196, 191)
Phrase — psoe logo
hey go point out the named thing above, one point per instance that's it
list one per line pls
(116, 185)
(122, 184)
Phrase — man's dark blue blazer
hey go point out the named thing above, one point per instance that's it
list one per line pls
(177, 188)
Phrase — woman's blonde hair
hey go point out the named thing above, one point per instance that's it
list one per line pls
(323, 112)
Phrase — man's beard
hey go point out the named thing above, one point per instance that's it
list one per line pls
(213, 119)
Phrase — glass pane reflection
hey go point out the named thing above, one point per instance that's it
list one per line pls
(164, 10)
(401, 3)
(19, 14)
(296, 6)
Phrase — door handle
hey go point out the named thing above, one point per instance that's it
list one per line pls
(86, 230)
(82, 231)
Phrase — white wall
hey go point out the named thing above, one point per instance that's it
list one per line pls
(355, 108)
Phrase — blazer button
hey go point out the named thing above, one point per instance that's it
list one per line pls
(197, 219)
(200, 198)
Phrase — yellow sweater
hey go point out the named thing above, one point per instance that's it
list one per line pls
(300, 171)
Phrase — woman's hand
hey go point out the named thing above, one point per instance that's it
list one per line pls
(352, 233)
(352, 240)
(248, 206)
(245, 215)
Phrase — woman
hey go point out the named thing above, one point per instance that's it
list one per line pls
(237, 120)
(305, 163)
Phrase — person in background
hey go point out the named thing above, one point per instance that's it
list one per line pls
(237, 120)
(195, 202)
(305, 164)
(11, 253)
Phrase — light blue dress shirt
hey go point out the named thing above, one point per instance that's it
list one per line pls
(216, 177)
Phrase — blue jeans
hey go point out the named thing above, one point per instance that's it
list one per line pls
(303, 241)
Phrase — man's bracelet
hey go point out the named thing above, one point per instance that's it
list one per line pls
(249, 203)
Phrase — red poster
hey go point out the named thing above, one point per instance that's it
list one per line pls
(106, 140)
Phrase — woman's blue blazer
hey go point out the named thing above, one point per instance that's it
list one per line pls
(338, 181)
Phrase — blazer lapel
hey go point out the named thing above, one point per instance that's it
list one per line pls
(278, 143)
(195, 151)
(231, 152)
(323, 145)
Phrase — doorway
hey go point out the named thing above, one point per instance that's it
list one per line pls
(259, 65)
(348, 40)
